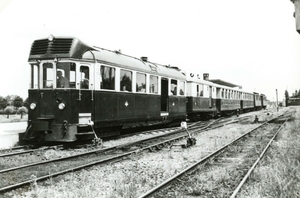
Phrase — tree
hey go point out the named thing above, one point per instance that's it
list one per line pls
(286, 93)
(9, 110)
(17, 101)
(10, 99)
(26, 103)
(22, 110)
(3, 102)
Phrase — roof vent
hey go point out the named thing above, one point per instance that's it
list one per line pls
(144, 58)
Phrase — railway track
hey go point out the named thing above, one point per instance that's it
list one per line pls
(15, 177)
(236, 160)
(24, 150)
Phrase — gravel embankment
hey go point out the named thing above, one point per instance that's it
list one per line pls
(139, 173)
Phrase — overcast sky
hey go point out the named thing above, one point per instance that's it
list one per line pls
(249, 43)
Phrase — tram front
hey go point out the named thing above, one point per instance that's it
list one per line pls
(59, 92)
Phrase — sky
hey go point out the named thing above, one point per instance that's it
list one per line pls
(249, 43)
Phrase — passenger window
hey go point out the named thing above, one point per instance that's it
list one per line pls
(153, 84)
(173, 87)
(140, 83)
(201, 90)
(181, 88)
(84, 77)
(125, 80)
(107, 78)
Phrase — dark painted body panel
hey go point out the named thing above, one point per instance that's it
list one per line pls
(230, 104)
(200, 104)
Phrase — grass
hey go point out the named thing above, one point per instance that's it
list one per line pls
(278, 174)
(13, 118)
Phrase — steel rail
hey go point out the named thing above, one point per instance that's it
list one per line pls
(256, 162)
(101, 150)
(202, 161)
(29, 151)
(178, 130)
(3, 189)
(81, 166)
(13, 148)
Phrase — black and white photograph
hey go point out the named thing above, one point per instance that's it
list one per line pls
(140, 98)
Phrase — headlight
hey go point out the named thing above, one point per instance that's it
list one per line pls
(61, 106)
(32, 106)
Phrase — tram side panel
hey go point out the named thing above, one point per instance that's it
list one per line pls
(177, 107)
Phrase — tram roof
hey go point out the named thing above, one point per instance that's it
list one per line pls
(70, 47)
(115, 58)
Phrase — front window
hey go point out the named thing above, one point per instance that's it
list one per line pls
(63, 77)
(66, 75)
(48, 76)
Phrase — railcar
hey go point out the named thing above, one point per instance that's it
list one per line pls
(247, 102)
(293, 101)
(264, 101)
(207, 99)
(258, 101)
(202, 101)
(99, 91)
(230, 100)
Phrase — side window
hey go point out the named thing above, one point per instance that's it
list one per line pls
(140, 82)
(153, 84)
(201, 89)
(173, 87)
(34, 77)
(125, 80)
(84, 77)
(181, 88)
(108, 78)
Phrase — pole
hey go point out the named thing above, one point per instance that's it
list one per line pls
(277, 100)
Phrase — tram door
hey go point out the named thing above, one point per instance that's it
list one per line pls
(164, 94)
(85, 93)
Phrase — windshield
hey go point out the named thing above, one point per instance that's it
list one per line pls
(64, 76)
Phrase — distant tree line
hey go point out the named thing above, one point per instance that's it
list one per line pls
(13, 104)
(294, 94)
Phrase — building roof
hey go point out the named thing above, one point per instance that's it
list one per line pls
(222, 82)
